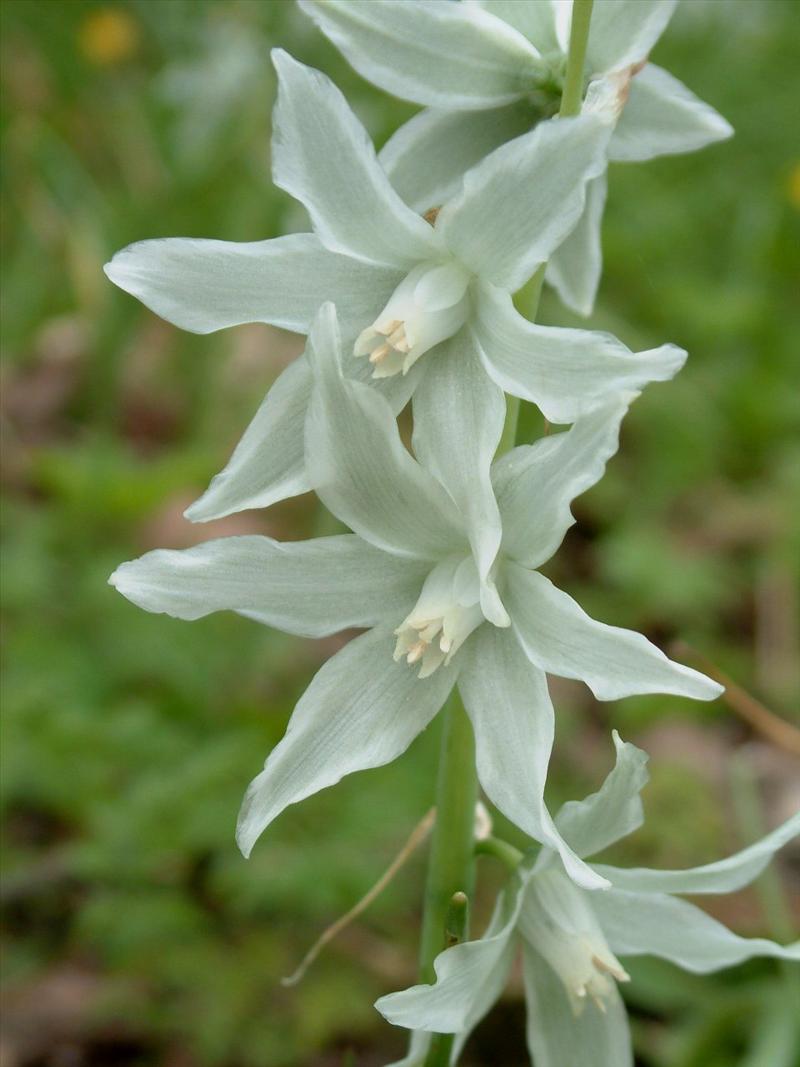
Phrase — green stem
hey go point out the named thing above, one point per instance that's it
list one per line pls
(451, 866)
(501, 850)
(457, 928)
(572, 96)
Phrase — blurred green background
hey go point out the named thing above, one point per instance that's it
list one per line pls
(134, 932)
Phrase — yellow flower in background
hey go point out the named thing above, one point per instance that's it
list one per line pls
(108, 36)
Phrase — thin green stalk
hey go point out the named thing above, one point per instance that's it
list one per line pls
(501, 850)
(451, 866)
(456, 930)
(572, 95)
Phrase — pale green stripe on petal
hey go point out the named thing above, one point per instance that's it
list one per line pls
(533, 18)
(662, 117)
(723, 876)
(458, 420)
(574, 269)
(506, 698)
(622, 32)
(360, 468)
(311, 588)
(436, 54)
(562, 639)
(611, 813)
(565, 372)
(536, 484)
(450, 142)
(361, 710)
(322, 156)
(268, 463)
(204, 285)
(517, 205)
(656, 924)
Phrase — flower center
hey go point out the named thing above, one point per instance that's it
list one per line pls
(428, 306)
(559, 922)
(447, 612)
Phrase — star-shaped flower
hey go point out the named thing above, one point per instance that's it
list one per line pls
(404, 288)
(408, 573)
(488, 70)
(571, 939)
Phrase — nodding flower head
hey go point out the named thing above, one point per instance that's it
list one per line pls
(446, 613)
(428, 306)
(560, 924)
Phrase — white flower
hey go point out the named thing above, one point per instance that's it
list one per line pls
(402, 286)
(571, 939)
(498, 69)
(409, 574)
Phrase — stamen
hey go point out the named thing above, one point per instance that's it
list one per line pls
(416, 652)
(427, 631)
(609, 968)
(379, 354)
(398, 339)
(429, 305)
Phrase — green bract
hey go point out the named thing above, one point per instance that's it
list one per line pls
(488, 70)
(570, 939)
(410, 573)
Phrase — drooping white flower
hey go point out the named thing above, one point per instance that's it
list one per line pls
(572, 940)
(498, 70)
(409, 573)
(402, 286)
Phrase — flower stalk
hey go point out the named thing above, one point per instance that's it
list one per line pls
(451, 867)
(572, 96)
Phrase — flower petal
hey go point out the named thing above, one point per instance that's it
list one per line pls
(322, 156)
(556, 1036)
(268, 464)
(575, 267)
(458, 420)
(623, 32)
(662, 117)
(450, 142)
(517, 205)
(724, 876)
(535, 484)
(359, 467)
(469, 978)
(204, 286)
(560, 638)
(535, 20)
(656, 924)
(565, 372)
(508, 703)
(441, 55)
(611, 813)
(311, 588)
(361, 710)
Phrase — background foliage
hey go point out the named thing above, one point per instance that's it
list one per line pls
(134, 932)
